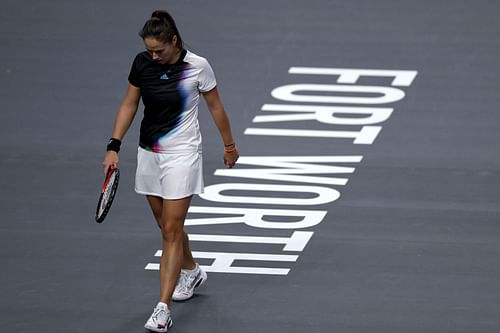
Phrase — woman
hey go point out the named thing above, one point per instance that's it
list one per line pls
(170, 79)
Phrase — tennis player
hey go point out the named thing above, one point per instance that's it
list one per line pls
(170, 80)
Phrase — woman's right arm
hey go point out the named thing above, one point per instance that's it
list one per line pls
(123, 120)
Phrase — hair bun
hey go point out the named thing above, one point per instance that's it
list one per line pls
(161, 25)
(162, 15)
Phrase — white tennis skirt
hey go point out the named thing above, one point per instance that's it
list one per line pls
(169, 176)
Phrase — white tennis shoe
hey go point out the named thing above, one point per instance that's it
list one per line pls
(160, 320)
(187, 282)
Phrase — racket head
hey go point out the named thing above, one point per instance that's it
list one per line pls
(107, 194)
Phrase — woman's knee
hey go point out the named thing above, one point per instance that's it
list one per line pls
(172, 231)
(172, 220)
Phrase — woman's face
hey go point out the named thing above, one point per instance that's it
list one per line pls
(162, 53)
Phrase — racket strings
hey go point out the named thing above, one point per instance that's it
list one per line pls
(107, 194)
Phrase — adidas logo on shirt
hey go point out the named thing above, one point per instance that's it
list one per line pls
(164, 77)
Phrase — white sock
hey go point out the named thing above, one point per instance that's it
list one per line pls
(162, 305)
(191, 270)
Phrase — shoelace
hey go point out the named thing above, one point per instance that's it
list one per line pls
(187, 281)
(191, 278)
(158, 313)
(183, 280)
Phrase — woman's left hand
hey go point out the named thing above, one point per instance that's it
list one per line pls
(231, 158)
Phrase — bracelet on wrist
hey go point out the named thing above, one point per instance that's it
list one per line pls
(229, 145)
(114, 145)
(230, 149)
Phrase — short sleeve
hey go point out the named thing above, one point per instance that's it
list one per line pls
(206, 78)
(134, 77)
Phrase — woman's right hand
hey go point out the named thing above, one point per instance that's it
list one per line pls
(110, 161)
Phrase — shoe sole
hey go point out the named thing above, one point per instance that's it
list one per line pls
(199, 283)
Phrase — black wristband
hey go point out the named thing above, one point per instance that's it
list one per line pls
(229, 145)
(114, 145)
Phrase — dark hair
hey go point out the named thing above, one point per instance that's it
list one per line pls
(161, 26)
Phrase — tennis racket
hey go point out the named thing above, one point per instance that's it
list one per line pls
(107, 194)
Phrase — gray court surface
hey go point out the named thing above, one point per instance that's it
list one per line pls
(409, 243)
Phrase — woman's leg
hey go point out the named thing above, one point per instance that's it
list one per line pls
(156, 204)
(172, 228)
(188, 260)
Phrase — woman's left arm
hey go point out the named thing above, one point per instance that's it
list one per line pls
(221, 120)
